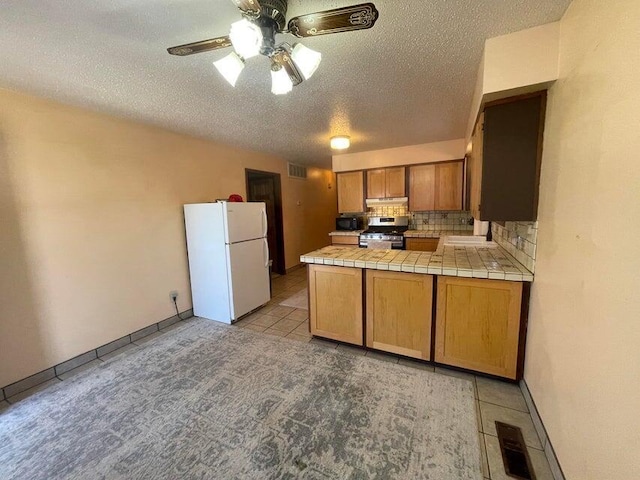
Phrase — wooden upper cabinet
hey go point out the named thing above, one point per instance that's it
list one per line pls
(422, 181)
(350, 192)
(386, 182)
(395, 184)
(449, 184)
(436, 186)
(376, 183)
(475, 168)
(506, 156)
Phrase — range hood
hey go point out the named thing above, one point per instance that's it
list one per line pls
(386, 202)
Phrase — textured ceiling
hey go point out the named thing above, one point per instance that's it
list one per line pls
(409, 80)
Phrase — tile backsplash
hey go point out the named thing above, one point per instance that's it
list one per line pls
(452, 221)
(430, 221)
(519, 239)
(387, 211)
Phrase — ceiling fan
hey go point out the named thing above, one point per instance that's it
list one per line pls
(255, 34)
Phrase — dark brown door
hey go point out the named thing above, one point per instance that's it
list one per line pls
(265, 187)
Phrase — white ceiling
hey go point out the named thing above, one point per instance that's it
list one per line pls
(409, 80)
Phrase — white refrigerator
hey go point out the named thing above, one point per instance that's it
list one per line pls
(228, 258)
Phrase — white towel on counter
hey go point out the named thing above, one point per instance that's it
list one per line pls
(379, 244)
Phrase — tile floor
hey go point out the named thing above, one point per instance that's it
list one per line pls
(495, 400)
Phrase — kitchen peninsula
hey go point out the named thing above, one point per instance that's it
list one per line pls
(461, 305)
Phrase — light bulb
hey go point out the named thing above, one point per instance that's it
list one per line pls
(281, 84)
(246, 38)
(230, 67)
(306, 60)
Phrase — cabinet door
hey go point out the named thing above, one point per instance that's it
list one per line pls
(376, 183)
(422, 182)
(478, 325)
(345, 240)
(335, 303)
(475, 168)
(350, 192)
(448, 195)
(395, 182)
(399, 313)
(422, 244)
(511, 155)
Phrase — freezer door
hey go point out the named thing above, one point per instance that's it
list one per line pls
(244, 221)
(249, 276)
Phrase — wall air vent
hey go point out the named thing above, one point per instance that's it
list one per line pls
(297, 171)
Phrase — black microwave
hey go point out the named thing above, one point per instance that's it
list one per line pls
(348, 223)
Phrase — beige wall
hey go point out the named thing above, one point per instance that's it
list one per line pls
(583, 349)
(409, 155)
(92, 236)
(514, 64)
(527, 57)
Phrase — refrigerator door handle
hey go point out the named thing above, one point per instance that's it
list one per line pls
(266, 253)
(265, 223)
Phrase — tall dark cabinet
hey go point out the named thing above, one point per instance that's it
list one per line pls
(504, 165)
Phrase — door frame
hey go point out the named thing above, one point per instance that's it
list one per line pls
(250, 174)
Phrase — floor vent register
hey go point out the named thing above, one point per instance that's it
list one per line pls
(517, 463)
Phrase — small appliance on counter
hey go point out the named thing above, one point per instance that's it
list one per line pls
(385, 232)
(349, 223)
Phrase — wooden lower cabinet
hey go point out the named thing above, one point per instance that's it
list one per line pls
(345, 240)
(422, 244)
(478, 325)
(335, 303)
(399, 313)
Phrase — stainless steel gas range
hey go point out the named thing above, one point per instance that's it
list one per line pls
(384, 232)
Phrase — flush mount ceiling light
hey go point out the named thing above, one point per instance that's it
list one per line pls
(341, 142)
(255, 35)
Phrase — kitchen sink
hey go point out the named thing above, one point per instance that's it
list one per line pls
(468, 241)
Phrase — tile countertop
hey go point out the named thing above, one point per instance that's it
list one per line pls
(435, 233)
(346, 233)
(471, 262)
(407, 234)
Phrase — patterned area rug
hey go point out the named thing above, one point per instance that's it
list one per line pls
(299, 300)
(210, 401)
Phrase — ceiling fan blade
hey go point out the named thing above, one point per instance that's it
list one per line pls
(202, 46)
(357, 17)
(251, 7)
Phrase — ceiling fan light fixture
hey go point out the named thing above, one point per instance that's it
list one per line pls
(246, 38)
(281, 84)
(230, 67)
(340, 142)
(306, 59)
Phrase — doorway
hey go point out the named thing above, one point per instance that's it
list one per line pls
(265, 187)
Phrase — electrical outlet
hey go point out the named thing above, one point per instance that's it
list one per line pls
(173, 295)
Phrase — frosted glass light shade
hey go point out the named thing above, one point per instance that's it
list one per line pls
(230, 67)
(340, 143)
(281, 84)
(246, 38)
(306, 60)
